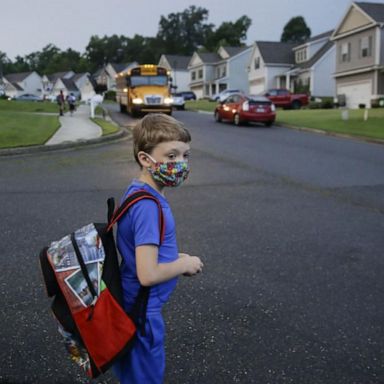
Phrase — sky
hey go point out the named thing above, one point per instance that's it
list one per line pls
(30, 25)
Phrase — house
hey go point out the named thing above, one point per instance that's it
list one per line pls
(178, 66)
(50, 80)
(359, 40)
(306, 67)
(268, 64)
(84, 84)
(16, 84)
(105, 77)
(314, 66)
(213, 72)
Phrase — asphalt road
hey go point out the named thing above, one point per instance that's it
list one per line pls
(289, 225)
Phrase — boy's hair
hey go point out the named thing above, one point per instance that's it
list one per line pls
(156, 128)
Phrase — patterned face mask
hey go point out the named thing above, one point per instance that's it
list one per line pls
(170, 174)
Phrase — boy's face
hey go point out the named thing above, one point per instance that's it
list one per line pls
(171, 151)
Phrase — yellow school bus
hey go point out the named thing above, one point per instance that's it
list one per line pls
(144, 89)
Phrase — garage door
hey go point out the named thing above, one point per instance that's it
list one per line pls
(356, 93)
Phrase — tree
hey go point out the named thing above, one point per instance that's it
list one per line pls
(295, 31)
(229, 34)
(184, 32)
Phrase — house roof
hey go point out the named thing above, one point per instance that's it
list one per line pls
(319, 54)
(70, 85)
(320, 36)
(17, 77)
(209, 57)
(374, 10)
(276, 52)
(178, 61)
(57, 75)
(78, 76)
(118, 67)
(233, 51)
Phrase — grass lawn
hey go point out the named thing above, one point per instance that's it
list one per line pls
(107, 127)
(200, 105)
(330, 120)
(24, 129)
(28, 106)
(323, 119)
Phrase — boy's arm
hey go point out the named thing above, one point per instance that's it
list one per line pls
(150, 272)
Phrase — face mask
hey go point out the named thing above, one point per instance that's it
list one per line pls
(170, 174)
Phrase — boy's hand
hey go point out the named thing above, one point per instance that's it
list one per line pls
(192, 264)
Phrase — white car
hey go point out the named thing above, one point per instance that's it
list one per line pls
(224, 94)
(178, 101)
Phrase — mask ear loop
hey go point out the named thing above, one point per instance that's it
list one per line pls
(150, 158)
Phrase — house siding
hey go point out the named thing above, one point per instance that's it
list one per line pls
(323, 83)
(353, 19)
(237, 71)
(356, 61)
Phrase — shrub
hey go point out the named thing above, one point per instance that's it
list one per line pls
(377, 103)
(361, 106)
(110, 95)
(321, 103)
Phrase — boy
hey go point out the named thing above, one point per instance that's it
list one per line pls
(161, 148)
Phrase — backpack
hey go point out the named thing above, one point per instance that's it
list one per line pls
(81, 272)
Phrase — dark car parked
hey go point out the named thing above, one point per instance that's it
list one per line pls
(243, 109)
(27, 97)
(188, 95)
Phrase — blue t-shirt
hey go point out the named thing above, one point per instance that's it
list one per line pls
(140, 226)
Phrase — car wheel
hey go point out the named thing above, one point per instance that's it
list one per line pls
(296, 104)
(217, 117)
(236, 119)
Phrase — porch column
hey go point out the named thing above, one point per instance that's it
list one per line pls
(288, 81)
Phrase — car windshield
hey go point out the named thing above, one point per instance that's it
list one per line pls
(137, 81)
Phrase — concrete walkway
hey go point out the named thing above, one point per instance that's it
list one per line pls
(77, 127)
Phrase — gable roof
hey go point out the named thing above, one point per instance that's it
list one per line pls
(209, 57)
(17, 77)
(320, 36)
(233, 51)
(119, 67)
(373, 10)
(78, 76)
(70, 85)
(319, 54)
(178, 61)
(57, 75)
(276, 52)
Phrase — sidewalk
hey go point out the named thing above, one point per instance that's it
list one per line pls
(77, 127)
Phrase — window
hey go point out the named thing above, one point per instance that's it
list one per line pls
(345, 52)
(366, 46)
(200, 74)
(224, 71)
(193, 75)
(257, 63)
(301, 56)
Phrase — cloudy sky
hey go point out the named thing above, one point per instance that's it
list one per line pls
(29, 25)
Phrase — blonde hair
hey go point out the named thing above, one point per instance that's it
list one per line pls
(156, 128)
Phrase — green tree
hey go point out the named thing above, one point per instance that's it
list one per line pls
(295, 31)
(184, 32)
(229, 34)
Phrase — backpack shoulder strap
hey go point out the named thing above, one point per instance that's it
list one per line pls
(131, 200)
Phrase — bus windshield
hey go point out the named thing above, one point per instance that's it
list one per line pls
(137, 81)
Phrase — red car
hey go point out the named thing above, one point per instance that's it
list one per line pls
(243, 109)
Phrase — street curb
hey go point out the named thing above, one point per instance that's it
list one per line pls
(334, 134)
(123, 133)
